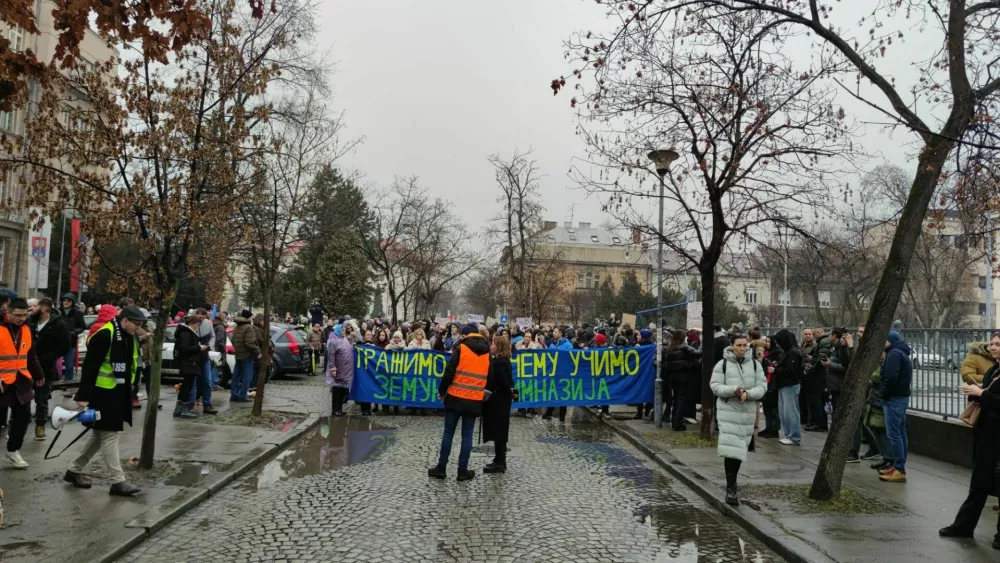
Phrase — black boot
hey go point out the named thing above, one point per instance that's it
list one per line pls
(465, 474)
(437, 472)
(996, 541)
(78, 480)
(731, 499)
(124, 489)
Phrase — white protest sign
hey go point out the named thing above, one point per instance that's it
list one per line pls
(525, 322)
(694, 314)
(475, 319)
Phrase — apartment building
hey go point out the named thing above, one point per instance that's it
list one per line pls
(24, 254)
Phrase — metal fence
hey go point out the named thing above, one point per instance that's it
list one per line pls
(937, 358)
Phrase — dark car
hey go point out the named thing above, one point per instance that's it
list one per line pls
(291, 349)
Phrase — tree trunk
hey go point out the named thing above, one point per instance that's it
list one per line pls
(265, 357)
(830, 471)
(707, 350)
(156, 360)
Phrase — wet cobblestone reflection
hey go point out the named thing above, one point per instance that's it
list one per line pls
(358, 491)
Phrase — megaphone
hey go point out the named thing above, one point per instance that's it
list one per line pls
(61, 416)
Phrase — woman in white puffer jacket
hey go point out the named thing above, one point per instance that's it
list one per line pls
(738, 381)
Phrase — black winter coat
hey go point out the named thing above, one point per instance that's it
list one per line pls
(115, 404)
(53, 341)
(187, 351)
(496, 411)
(472, 344)
(986, 437)
(839, 362)
(788, 364)
(681, 364)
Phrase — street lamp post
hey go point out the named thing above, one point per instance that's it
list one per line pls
(661, 161)
(989, 274)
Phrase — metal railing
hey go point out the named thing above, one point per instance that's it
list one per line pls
(937, 359)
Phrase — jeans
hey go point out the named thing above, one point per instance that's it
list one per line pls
(69, 361)
(788, 412)
(895, 429)
(107, 443)
(204, 384)
(241, 379)
(215, 376)
(451, 419)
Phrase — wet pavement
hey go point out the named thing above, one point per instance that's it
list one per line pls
(48, 520)
(356, 489)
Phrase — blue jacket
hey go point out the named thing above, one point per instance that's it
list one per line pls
(896, 373)
(563, 344)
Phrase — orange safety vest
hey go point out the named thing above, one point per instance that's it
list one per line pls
(14, 360)
(470, 376)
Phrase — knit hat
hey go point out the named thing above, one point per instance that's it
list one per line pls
(469, 329)
(894, 337)
(246, 314)
(398, 334)
(645, 334)
(105, 316)
(600, 339)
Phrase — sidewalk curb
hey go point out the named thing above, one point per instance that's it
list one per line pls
(154, 519)
(779, 540)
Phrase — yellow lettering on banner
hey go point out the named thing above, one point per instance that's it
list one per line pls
(440, 363)
(599, 364)
(631, 355)
(528, 362)
(575, 357)
(554, 362)
(411, 363)
(602, 390)
(426, 364)
(398, 364)
(382, 363)
(617, 361)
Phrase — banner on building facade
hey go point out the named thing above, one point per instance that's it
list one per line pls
(38, 259)
(544, 378)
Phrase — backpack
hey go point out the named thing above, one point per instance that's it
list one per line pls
(755, 364)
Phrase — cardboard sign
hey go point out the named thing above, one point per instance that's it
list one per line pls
(525, 322)
(628, 319)
(475, 319)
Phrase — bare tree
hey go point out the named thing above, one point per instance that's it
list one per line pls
(757, 134)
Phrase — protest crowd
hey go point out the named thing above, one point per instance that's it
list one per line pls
(766, 387)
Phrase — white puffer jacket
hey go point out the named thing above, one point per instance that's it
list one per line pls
(736, 418)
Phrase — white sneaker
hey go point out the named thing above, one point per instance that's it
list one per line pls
(690, 421)
(16, 459)
(786, 442)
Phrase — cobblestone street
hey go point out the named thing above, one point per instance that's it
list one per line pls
(357, 490)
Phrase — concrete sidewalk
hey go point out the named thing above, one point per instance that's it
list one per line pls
(926, 503)
(48, 520)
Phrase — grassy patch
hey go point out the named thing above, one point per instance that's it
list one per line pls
(681, 440)
(796, 498)
(268, 420)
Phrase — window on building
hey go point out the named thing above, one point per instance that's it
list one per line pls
(590, 280)
(597, 284)
(4, 245)
(824, 299)
(8, 121)
(572, 237)
(579, 279)
(616, 240)
(571, 231)
(5, 186)
(628, 254)
(593, 238)
(784, 298)
(982, 282)
(552, 238)
(16, 37)
(751, 296)
(982, 308)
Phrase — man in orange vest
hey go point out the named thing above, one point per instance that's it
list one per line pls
(463, 389)
(20, 373)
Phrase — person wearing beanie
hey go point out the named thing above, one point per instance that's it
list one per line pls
(397, 342)
(463, 390)
(895, 378)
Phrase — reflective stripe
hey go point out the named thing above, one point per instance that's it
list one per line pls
(469, 387)
(105, 379)
(470, 374)
(7, 358)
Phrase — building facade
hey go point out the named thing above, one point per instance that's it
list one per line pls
(21, 249)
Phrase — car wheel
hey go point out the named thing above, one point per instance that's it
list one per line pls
(916, 363)
(271, 370)
(951, 364)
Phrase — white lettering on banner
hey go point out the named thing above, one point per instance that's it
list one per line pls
(525, 322)
(694, 314)
(475, 319)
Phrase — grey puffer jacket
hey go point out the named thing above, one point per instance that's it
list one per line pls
(736, 418)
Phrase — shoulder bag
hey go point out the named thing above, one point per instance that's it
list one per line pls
(972, 411)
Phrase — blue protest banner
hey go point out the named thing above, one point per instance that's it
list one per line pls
(544, 378)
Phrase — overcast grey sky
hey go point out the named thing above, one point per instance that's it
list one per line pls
(435, 87)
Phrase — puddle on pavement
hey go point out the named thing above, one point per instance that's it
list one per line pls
(337, 442)
(29, 546)
(190, 475)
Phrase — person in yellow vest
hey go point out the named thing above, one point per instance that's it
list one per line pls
(463, 390)
(20, 373)
(106, 380)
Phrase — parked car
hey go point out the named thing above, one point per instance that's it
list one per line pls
(81, 340)
(925, 357)
(289, 350)
(167, 367)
